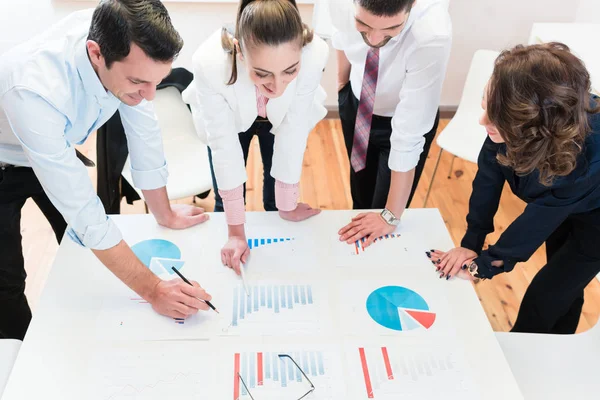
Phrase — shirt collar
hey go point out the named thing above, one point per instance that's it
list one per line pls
(89, 79)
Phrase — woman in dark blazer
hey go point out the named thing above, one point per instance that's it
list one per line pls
(544, 140)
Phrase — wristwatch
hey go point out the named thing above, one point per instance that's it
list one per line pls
(473, 269)
(389, 217)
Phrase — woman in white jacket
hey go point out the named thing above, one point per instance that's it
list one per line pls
(263, 80)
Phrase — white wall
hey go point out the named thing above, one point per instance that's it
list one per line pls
(491, 24)
(588, 11)
(494, 25)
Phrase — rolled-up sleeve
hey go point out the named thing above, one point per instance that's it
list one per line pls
(218, 120)
(40, 129)
(419, 101)
(148, 165)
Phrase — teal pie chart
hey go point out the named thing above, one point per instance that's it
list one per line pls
(399, 309)
(159, 255)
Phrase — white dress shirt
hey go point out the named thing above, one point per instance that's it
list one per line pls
(52, 99)
(222, 111)
(412, 67)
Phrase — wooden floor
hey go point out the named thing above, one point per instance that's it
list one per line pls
(325, 184)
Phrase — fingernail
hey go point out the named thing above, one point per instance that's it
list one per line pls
(447, 277)
(433, 262)
(433, 251)
(438, 268)
(464, 266)
(428, 254)
(441, 275)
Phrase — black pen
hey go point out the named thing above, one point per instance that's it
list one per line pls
(190, 283)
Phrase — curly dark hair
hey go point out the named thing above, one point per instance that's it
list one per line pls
(539, 99)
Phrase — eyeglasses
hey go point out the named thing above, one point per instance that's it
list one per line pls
(282, 357)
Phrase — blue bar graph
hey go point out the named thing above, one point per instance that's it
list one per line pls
(276, 365)
(258, 242)
(235, 306)
(256, 298)
(244, 370)
(252, 370)
(268, 298)
(321, 368)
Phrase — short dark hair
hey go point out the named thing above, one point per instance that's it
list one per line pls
(118, 23)
(385, 8)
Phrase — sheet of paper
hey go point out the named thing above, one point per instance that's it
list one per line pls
(394, 306)
(131, 318)
(385, 252)
(151, 371)
(276, 307)
(409, 369)
(279, 371)
(275, 249)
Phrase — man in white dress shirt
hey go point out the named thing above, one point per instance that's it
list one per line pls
(55, 90)
(392, 57)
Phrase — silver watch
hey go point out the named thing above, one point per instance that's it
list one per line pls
(389, 217)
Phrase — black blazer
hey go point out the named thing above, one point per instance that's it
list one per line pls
(547, 206)
(111, 148)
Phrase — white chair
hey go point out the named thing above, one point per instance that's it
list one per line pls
(549, 367)
(9, 348)
(463, 136)
(186, 154)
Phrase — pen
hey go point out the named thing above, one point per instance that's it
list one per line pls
(243, 275)
(208, 303)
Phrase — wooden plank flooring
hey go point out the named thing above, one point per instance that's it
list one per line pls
(325, 184)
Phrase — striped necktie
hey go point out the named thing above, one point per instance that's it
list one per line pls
(364, 116)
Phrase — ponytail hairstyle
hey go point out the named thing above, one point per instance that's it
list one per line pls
(265, 22)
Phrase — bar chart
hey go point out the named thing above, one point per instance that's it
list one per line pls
(411, 372)
(359, 244)
(276, 307)
(259, 242)
(272, 374)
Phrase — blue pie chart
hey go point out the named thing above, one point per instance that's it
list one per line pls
(399, 309)
(159, 255)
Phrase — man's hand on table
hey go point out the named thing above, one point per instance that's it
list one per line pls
(303, 211)
(370, 225)
(177, 299)
(183, 216)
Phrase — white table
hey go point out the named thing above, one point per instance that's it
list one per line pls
(582, 39)
(9, 348)
(53, 359)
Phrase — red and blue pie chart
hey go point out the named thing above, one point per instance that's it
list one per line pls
(399, 309)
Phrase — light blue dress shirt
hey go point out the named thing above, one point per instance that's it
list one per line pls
(52, 99)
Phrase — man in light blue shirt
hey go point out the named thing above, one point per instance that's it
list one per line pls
(55, 90)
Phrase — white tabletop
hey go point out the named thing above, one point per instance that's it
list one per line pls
(9, 348)
(54, 359)
(581, 39)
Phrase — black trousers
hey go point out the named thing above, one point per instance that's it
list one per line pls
(554, 299)
(262, 129)
(370, 187)
(17, 184)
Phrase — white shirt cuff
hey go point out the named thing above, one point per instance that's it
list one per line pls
(150, 180)
(401, 161)
(98, 237)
